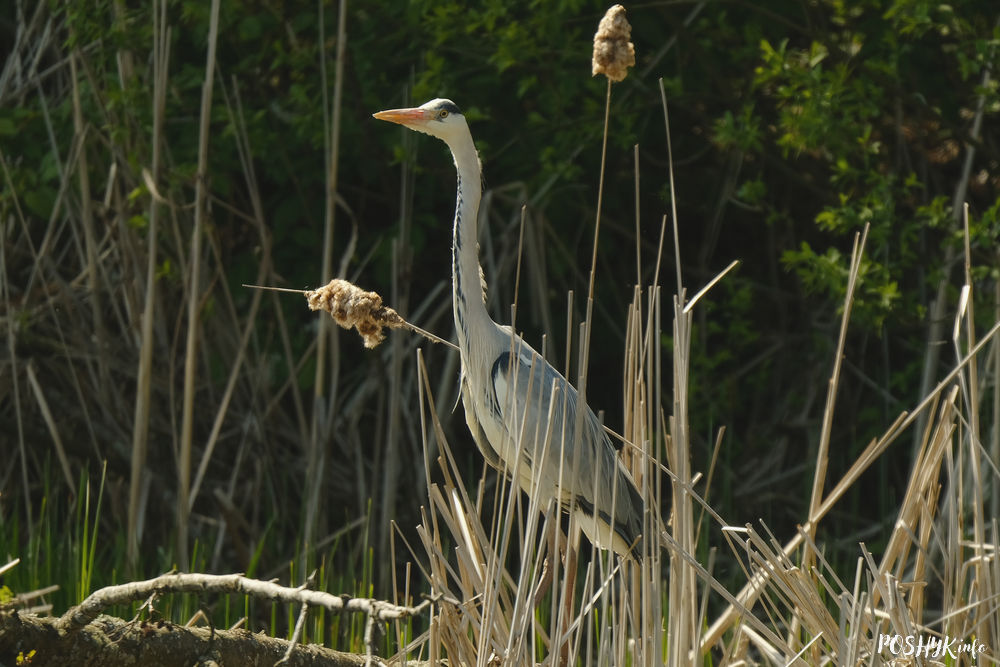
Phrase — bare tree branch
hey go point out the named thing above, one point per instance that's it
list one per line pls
(79, 616)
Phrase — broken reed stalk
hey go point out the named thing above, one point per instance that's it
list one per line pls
(350, 306)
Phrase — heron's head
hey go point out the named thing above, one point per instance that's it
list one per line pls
(438, 118)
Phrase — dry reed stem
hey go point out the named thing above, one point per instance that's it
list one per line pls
(937, 315)
(243, 146)
(143, 392)
(613, 55)
(890, 582)
(194, 295)
(873, 451)
(331, 130)
(50, 423)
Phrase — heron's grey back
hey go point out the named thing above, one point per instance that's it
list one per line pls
(541, 416)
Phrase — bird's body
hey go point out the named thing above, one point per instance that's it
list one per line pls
(522, 412)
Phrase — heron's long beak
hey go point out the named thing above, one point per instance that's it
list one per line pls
(414, 116)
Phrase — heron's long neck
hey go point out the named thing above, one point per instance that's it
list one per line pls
(470, 311)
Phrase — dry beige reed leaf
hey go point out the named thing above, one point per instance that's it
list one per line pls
(613, 52)
(351, 306)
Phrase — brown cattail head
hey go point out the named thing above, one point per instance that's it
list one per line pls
(613, 52)
(351, 306)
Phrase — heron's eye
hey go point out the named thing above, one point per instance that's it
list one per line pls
(442, 114)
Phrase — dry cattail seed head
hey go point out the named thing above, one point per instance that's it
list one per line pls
(613, 52)
(351, 306)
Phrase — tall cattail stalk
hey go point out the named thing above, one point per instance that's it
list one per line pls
(327, 357)
(140, 428)
(194, 296)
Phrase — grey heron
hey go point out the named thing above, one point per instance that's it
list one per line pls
(522, 412)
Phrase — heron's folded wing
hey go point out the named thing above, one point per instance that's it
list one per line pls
(539, 407)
